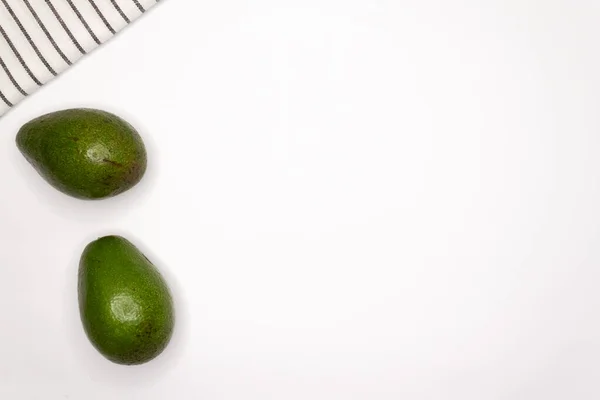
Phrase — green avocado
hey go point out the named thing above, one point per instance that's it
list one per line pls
(85, 153)
(125, 304)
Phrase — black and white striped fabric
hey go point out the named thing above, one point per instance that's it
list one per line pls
(41, 38)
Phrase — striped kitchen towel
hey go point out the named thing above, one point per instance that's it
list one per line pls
(41, 38)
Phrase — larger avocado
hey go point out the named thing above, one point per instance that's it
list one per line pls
(85, 153)
(125, 304)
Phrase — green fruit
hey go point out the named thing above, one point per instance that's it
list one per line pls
(125, 304)
(88, 154)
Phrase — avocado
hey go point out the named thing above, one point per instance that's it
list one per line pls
(125, 304)
(85, 153)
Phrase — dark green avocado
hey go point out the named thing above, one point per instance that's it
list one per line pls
(125, 304)
(85, 153)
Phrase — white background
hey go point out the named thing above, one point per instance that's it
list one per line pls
(357, 200)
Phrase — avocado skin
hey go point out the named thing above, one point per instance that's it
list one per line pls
(125, 304)
(84, 153)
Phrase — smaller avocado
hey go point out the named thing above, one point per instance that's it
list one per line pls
(84, 153)
(125, 304)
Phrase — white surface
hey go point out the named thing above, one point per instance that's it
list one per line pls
(367, 200)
